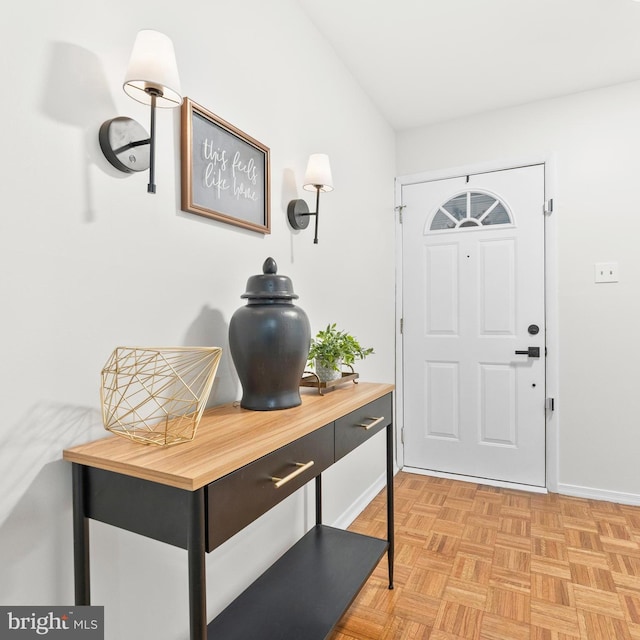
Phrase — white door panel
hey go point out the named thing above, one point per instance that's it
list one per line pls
(497, 287)
(442, 393)
(441, 299)
(473, 283)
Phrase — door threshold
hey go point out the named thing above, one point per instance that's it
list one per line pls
(487, 481)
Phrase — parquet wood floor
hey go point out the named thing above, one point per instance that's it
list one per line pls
(481, 563)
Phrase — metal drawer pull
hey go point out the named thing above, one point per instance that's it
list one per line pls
(302, 467)
(371, 424)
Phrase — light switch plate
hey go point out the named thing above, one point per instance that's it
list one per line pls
(606, 272)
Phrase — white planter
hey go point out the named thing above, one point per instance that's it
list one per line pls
(327, 374)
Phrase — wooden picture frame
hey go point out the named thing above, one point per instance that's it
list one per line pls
(225, 172)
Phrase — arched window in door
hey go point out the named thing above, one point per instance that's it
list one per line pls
(471, 209)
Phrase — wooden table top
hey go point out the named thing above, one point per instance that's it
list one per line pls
(228, 438)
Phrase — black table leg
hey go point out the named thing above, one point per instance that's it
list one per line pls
(81, 567)
(197, 575)
(319, 499)
(390, 520)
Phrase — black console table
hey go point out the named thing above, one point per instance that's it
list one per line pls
(242, 463)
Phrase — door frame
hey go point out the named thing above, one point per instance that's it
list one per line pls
(552, 417)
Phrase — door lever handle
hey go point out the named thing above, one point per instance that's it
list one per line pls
(532, 352)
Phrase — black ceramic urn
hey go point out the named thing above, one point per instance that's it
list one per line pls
(269, 340)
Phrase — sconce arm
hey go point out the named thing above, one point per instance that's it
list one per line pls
(151, 187)
(131, 145)
(317, 214)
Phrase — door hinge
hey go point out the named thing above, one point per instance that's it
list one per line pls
(550, 404)
(402, 435)
(548, 206)
(399, 209)
(401, 325)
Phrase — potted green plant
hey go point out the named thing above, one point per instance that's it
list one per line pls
(331, 348)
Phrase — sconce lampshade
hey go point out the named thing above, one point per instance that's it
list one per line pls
(318, 173)
(153, 70)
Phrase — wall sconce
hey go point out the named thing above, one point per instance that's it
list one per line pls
(151, 78)
(317, 178)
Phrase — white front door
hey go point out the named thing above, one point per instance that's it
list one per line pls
(474, 325)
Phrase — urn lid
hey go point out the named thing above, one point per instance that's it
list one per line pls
(269, 285)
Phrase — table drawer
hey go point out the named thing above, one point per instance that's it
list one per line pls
(359, 425)
(239, 498)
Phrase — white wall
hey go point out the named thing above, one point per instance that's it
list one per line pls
(90, 261)
(593, 139)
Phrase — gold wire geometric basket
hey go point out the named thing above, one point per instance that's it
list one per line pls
(156, 395)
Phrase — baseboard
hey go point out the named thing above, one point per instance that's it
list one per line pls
(358, 506)
(599, 494)
(491, 483)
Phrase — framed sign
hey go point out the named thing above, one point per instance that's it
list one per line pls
(225, 172)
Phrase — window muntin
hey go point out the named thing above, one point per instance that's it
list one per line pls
(471, 209)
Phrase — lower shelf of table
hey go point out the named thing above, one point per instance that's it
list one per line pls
(306, 592)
